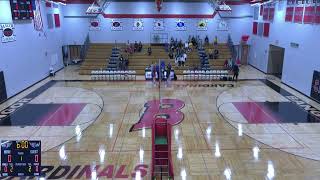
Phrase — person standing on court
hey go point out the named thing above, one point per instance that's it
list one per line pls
(169, 67)
(153, 72)
(235, 70)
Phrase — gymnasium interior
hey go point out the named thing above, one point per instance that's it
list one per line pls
(160, 89)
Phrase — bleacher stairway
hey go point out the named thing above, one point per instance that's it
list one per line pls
(97, 58)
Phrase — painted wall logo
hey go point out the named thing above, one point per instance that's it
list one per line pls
(168, 109)
(116, 25)
(95, 25)
(158, 25)
(202, 25)
(222, 25)
(181, 25)
(7, 33)
(138, 25)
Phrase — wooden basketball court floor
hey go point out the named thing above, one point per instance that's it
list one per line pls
(252, 129)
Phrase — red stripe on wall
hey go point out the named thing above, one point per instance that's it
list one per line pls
(234, 2)
(158, 15)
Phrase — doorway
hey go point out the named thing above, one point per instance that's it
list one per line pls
(275, 61)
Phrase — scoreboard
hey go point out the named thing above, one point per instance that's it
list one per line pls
(21, 9)
(20, 158)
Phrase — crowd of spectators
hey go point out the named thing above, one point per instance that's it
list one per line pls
(132, 48)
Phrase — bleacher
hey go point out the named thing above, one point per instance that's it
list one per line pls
(224, 53)
(140, 60)
(100, 57)
(97, 57)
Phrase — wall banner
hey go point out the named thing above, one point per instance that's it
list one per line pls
(202, 25)
(7, 33)
(158, 25)
(116, 25)
(222, 25)
(181, 25)
(94, 24)
(137, 25)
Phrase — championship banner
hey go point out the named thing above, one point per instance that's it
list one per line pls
(158, 25)
(37, 21)
(137, 25)
(116, 25)
(298, 14)
(181, 25)
(255, 28)
(94, 25)
(265, 13)
(309, 14)
(315, 86)
(7, 33)
(317, 18)
(271, 12)
(222, 25)
(266, 29)
(202, 25)
(289, 14)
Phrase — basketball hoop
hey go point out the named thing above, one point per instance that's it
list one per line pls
(220, 6)
(97, 7)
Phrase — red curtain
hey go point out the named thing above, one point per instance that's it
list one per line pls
(261, 10)
(266, 27)
(298, 14)
(289, 14)
(57, 20)
(255, 28)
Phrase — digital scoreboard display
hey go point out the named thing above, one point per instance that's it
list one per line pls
(20, 158)
(21, 9)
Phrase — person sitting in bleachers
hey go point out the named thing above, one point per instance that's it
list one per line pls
(216, 54)
(184, 58)
(136, 46)
(211, 55)
(140, 47)
(186, 46)
(190, 46)
(206, 40)
(226, 63)
(215, 42)
(170, 54)
(149, 51)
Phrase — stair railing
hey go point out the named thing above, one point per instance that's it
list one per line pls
(84, 48)
(232, 48)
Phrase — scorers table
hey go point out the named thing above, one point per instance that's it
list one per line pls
(20, 158)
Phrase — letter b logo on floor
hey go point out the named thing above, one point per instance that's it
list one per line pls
(168, 109)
